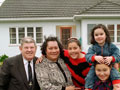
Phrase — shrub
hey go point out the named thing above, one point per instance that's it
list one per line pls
(3, 57)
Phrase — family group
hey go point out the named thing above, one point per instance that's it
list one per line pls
(63, 69)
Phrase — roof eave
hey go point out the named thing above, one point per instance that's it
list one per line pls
(92, 16)
(38, 19)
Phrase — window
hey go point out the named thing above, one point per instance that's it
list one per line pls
(111, 31)
(89, 29)
(39, 35)
(12, 35)
(30, 32)
(21, 33)
(118, 33)
(17, 33)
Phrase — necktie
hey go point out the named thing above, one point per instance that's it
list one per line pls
(29, 75)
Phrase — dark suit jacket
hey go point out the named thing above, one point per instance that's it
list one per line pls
(13, 75)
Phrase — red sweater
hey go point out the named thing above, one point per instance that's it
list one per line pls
(78, 68)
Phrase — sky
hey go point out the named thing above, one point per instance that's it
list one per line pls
(1, 0)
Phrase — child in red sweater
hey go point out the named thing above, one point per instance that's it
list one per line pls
(76, 62)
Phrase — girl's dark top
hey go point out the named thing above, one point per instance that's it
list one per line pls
(107, 85)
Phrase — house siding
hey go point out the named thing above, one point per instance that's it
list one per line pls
(49, 28)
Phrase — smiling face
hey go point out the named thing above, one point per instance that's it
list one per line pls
(100, 36)
(28, 50)
(74, 50)
(52, 50)
(102, 71)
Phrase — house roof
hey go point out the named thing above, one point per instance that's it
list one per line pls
(103, 7)
(57, 8)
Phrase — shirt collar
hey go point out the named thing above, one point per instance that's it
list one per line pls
(26, 61)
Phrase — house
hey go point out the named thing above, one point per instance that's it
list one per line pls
(61, 18)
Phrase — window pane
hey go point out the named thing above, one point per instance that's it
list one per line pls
(89, 29)
(12, 36)
(39, 29)
(39, 35)
(21, 33)
(111, 31)
(118, 33)
(38, 40)
(21, 30)
(30, 29)
(30, 32)
(13, 41)
(12, 32)
(118, 39)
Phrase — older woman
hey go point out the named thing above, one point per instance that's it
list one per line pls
(52, 73)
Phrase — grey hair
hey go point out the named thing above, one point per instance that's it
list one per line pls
(27, 40)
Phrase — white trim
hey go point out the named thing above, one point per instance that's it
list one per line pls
(25, 31)
(75, 17)
(38, 19)
(17, 38)
(88, 16)
(34, 33)
(115, 33)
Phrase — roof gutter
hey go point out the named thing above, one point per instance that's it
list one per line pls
(38, 19)
(92, 16)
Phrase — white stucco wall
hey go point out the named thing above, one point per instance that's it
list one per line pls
(49, 28)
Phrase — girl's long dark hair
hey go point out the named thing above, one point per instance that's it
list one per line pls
(108, 40)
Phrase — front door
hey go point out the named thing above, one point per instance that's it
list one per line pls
(65, 34)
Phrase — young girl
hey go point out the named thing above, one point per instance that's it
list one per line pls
(76, 62)
(102, 51)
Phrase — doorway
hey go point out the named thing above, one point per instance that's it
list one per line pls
(65, 33)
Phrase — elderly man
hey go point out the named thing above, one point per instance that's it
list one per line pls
(17, 73)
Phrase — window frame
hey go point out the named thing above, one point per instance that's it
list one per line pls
(25, 34)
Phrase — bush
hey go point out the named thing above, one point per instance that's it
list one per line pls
(3, 57)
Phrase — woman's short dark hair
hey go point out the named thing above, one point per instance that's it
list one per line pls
(51, 38)
(108, 40)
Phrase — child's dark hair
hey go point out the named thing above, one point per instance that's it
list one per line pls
(108, 40)
(72, 39)
(45, 43)
(96, 63)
